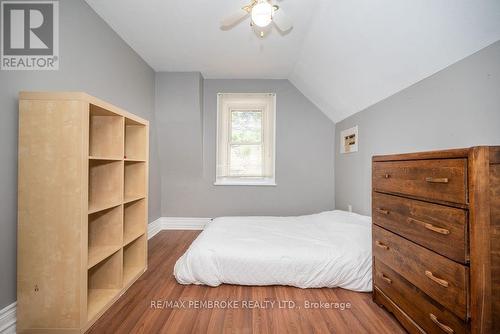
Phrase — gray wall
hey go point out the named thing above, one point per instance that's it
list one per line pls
(95, 60)
(457, 107)
(180, 123)
(304, 152)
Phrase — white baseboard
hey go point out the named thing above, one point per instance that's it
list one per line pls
(182, 223)
(154, 227)
(8, 319)
(176, 223)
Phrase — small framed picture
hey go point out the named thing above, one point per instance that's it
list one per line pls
(349, 140)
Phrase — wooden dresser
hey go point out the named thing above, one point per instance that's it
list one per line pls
(436, 239)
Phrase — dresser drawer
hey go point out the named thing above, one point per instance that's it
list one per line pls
(428, 314)
(442, 279)
(436, 227)
(440, 179)
(408, 323)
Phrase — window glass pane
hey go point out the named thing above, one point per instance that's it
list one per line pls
(246, 126)
(246, 160)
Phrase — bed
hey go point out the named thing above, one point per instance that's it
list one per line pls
(329, 249)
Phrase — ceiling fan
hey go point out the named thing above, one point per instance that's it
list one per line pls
(262, 13)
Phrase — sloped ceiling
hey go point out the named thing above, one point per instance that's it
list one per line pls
(343, 55)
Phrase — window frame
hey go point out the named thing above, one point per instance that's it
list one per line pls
(246, 102)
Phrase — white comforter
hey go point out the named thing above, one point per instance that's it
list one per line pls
(330, 249)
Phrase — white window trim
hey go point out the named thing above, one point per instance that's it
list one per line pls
(246, 181)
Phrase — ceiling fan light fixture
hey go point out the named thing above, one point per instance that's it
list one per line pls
(262, 14)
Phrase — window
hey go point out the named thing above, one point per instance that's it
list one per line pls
(246, 139)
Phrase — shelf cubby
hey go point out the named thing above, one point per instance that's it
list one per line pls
(104, 234)
(104, 283)
(134, 224)
(135, 141)
(106, 134)
(134, 259)
(135, 180)
(105, 184)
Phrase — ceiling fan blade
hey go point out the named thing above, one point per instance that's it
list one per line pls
(281, 20)
(233, 19)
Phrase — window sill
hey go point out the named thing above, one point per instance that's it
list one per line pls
(265, 183)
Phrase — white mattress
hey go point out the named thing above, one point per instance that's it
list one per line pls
(330, 249)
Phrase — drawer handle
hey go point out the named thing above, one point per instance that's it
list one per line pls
(383, 211)
(385, 278)
(443, 327)
(381, 245)
(386, 176)
(436, 179)
(436, 229)
(439, 281)
(429, 226)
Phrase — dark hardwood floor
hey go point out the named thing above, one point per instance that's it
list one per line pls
(133, 313)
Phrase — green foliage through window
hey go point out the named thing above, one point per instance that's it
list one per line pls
(246, 126)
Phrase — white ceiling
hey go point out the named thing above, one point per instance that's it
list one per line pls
(344, 55)
(180, 35)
